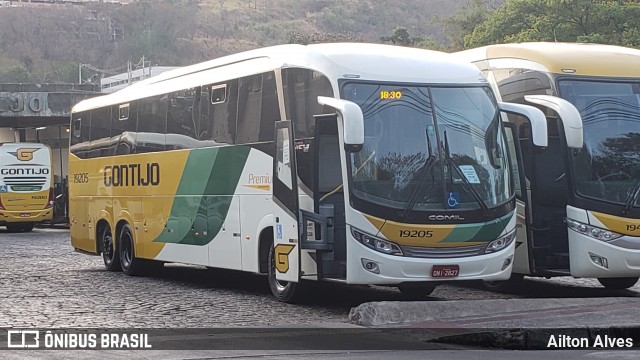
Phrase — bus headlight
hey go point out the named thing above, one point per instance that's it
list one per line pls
(500, 243)
(376, 243)
(592, 231)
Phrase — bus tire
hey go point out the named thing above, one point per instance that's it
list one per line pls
(109, 254)
(413, 291)
(126, 251)
(618, 283)
(12, 228)
(505, 285)
(284, 291)
(19, 227)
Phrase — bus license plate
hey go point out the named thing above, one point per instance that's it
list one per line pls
(440, 271)
(25, 215)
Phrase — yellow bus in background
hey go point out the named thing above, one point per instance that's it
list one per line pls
(26, 185)
(578, 199)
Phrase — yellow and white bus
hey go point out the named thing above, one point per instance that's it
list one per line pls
(577, 199)
(26, 185)
(356, 163)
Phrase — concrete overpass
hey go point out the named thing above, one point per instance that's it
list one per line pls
(40, 113)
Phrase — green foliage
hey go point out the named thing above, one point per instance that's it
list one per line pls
(601, 21)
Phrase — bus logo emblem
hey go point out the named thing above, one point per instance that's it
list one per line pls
(24, 154)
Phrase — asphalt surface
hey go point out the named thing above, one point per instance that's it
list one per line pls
(44, 284)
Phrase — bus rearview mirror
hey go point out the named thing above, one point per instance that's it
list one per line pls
(536, 118)
(569, 116)
(352, 121)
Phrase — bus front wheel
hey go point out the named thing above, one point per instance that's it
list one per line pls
(126, 252)
(284, 291)
(19, 227)
(618, 283)
(416, 291)
(109, 254)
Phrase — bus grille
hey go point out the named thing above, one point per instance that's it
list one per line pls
(27, 181)
(441, 253)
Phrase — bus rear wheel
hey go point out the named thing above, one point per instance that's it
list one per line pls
(109, 253)
(618, 283)
(126, 252)
(284, 291)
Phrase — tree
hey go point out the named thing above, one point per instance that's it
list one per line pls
(474, 13)
(400, 36)
(603, 21)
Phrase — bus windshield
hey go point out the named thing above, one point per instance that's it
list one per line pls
(608, 166)
(429, 148)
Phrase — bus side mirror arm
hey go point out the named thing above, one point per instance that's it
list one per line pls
(569, 116)
(352, 121)
(536, 118)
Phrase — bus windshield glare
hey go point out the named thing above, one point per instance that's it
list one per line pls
(608, 166)
(429, 148)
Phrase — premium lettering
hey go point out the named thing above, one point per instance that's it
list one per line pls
(132, 175)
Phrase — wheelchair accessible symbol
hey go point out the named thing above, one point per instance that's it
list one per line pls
(453, 200)
(3, 189)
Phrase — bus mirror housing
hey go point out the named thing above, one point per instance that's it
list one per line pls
(569, 116)
(352, 121)
(536, 118)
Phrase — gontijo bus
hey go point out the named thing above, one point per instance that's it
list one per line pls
(359, 163)
(26, 185)
(580, 197)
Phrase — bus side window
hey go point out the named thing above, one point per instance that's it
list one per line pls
(257, 108)
(301, 90)
(249, 109)
(181, 125)
(123, 129)
(100, 132)
(220, 115)
(80, 132)
(152, 122)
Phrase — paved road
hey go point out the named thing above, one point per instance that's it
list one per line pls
(44, 283)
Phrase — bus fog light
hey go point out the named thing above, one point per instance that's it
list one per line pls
(370, 266)
(599, 260)
(507, 262)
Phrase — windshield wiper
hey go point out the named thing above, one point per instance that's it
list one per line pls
(428, 164)
(465, 181)
(425, 170)
(631, 199)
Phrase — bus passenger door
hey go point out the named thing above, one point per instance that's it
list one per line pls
(523, 200)
(285, 198)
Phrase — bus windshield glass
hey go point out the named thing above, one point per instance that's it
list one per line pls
(608, 166)
(429, 148)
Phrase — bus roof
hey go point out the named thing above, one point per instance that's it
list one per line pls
(336, 60)
(566, 58)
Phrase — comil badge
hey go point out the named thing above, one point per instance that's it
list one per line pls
(24, 154)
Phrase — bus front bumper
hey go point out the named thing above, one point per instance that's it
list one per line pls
(399, 269)
(595, 258)
(25, 216)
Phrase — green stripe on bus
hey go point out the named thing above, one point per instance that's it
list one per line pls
(479, 232)
(204, 195)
